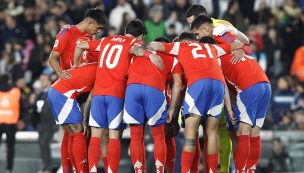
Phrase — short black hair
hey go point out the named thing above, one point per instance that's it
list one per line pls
(195, 10)
(207, 39)
(186, 36)
(199, 20)
(162, 39)
(96, 14)
(136, 28)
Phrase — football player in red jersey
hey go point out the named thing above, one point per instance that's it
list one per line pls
(145, 102)
(108, 94)
(66, 109)
(205, 94)
(63, 50)
(252, 100)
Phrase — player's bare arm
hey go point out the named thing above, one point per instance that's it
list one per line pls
(156, 46)
(236, 45)
(78, 52)
(138, 50)
(53, 61)
(175, 95)
(228, 105)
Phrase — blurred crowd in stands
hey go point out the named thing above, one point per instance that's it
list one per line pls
(275, 28)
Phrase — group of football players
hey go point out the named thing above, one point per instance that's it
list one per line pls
(109, 83)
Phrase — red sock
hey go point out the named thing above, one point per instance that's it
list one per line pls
(197, 157)
(105, 163)
(187, 159)
(79, 152)
(70, 150)
(94, 154)
(171, 153)
(160, 149)
(242, 152)
(65, 161)
(212, 163)
(255, 153)
(113, 155)
(205, 154)
(137, 148)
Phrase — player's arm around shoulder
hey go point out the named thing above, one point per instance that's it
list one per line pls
(140, 51)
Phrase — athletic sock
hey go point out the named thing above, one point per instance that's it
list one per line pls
(205, 154)
(113, 155)
(79, 152)
(197, 157)
(187, 159)
(255, 153)
(70, 150)
(171, 154)
(94, 154)
(212, 163)
(160, 149)
(65, 161)
(242, 153)
(137, 148)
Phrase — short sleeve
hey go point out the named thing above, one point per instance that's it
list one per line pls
(95, 45)
(172, 48)
(61, 41)
(176, 67)
(222, 49)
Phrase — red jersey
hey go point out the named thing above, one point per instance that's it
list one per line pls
(113, 64)
(142, 71)
(82, 81)
(65, 43)
(243, 74)
(199, 60)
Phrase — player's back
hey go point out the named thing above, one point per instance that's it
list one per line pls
(81, 81)
(143, 71)
(113, 64)
(243, 74)
(199, 60)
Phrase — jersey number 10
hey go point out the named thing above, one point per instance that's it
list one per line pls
(117, 49)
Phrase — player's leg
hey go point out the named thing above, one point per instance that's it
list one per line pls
(214, 107)
(212, 143)
(255, 139)
(225, 145)
(197, 157)
(225, 149)
(116, 126)
(192, 123)
(195, 103)
(65, 111)
(245, 111)
(94, 150)
(104, 148)
(115, 150)
(171, 154)
(134, 116)
(79, 147)
(154, 102)
(98, 123)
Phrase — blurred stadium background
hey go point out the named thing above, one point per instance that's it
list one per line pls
(275, 28)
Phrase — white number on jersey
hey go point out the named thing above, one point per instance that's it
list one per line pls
(109, 63)
(197, 48)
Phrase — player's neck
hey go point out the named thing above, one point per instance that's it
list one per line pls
(129, 35)
(82, 27)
